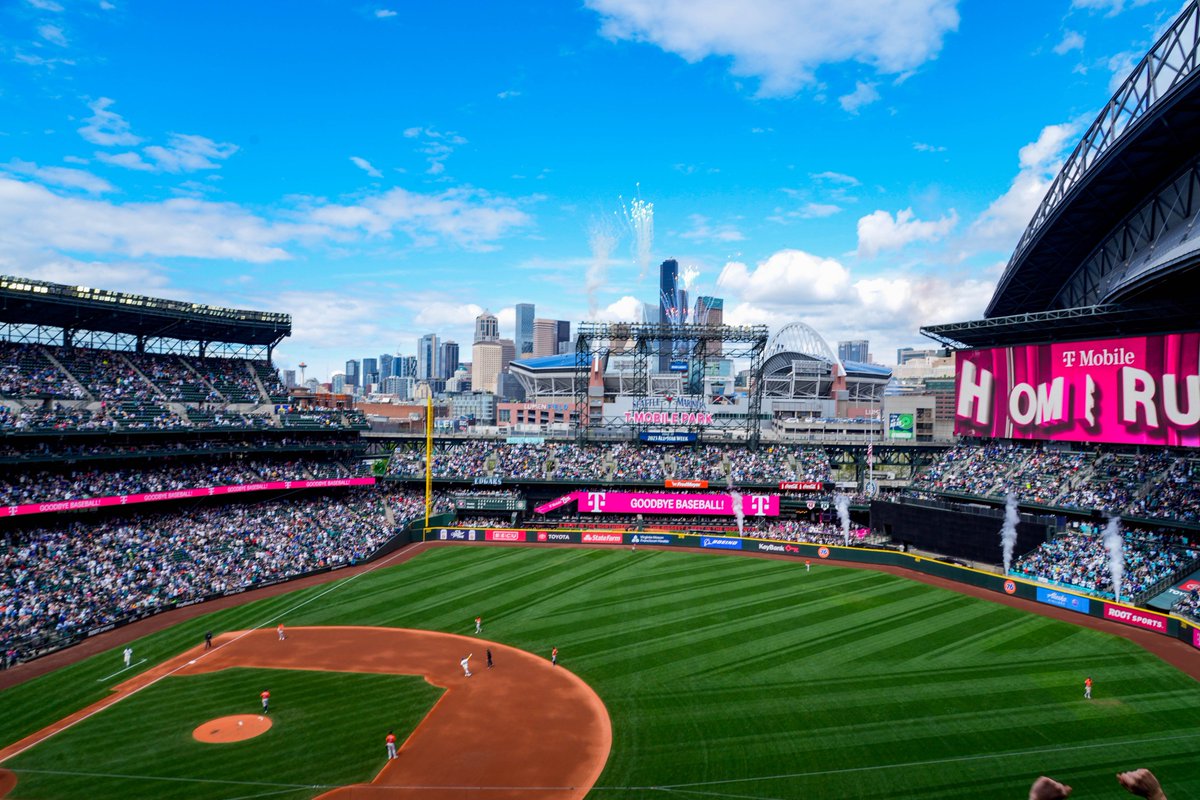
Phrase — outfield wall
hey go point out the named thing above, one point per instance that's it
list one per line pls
(1166, 624)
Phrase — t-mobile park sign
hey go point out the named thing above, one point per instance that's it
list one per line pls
(718, 505)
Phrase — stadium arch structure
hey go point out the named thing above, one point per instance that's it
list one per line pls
(1113, 250)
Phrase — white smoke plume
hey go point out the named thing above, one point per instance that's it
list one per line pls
(1008, 533)
(603, 235)
(842, 503)
(1116, 557)
(738, 513)
(687, 278)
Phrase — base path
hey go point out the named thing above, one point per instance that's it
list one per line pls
(525, 729)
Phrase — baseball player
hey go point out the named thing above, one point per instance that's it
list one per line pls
(266, 701)
(1087, 688)
(282, 636)
(128, 656)
(489, 657)
(479, 624)
(208, 640)
(554, 657)
(807, 565)
(466, 665)
(391, 745)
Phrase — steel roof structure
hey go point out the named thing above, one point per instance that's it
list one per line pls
(24, 301)
(1126, 188)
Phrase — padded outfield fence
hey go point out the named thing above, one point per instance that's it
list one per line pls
(1166, 624)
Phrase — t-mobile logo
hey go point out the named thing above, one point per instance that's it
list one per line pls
(595, 501)
(758, 504)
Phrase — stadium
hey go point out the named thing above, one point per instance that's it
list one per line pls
(212, 585)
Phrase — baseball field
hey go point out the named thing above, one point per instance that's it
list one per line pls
(722, 677)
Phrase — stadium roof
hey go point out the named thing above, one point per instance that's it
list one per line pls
(859, 368)
(1142, 137)
(29, 302)
(558, 362)
(1071, 324)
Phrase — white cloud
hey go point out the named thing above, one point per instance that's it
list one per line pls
(52, 34)
(65, 177)
(45, 5)
(1121, 66)
(784, 42)
(466, 217)
(627, 309)
(107, 6)
(188, 153)
(384, 13)
(879, 230)
(508, 93)
(863, 95)
(886, 308)
(1001, 224)
(837, 178)
(818, 210)
(127, 160)
(436, 145)
(31, 218)
(1113, 7)
(366, 167)
(701, 230)
(789, 275)
(439, 314)
(923, 147)
(107, 128)
(1072, 40)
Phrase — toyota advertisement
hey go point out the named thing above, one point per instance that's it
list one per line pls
(1136, 390)
(722, 505)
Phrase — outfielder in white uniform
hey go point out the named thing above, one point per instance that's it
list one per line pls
(466, 665)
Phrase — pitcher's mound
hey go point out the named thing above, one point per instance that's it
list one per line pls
(237, 728)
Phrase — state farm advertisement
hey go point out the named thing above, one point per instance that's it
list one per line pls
(176, 494)
(1138, 390)
(602, 538)
(504, 536)
(1136, 617)
(719, 505)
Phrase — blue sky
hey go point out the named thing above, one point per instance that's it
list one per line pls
(384, 170)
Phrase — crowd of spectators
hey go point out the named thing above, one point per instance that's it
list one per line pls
(44, 486)
(59, 582)
(1078, 559)
(616, 463)
(1158, 484)
(26, 372)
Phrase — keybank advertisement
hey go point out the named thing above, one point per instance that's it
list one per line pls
(1138, 390)
(1063, 600)
(722, 505)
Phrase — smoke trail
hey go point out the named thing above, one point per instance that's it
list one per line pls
(1116, 558)
(842, 503)
(687, 278)
(603, 235)
(738, 512)
(1008, 533)
(639, 216)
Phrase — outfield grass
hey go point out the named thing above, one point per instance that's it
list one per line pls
(751, 678)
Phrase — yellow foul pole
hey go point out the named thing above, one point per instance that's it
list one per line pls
(428, 459)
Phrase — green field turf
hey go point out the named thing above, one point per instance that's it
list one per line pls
(327, 729)
(748, 678)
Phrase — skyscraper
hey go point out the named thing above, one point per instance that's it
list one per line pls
(385, 366)
(855, 350)
(449, 359)
(710, 311)
(351, 375)
(486, 364)
(428, 357)
(370, 371)
(405, 367)
(564, 335)
(545, 337)
(487, 327)
(524, 332)
(668, 296)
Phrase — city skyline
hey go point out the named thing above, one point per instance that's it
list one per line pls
(866, 175)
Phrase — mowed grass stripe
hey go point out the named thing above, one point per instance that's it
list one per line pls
(716, 667)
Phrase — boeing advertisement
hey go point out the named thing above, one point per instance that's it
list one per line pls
(1137, 390)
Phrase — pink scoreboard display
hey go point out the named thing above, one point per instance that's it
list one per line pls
(1136, 390)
